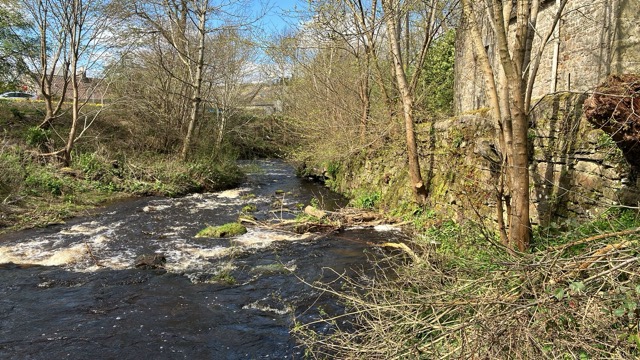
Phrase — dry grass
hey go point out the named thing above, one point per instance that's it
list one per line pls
(552, 304)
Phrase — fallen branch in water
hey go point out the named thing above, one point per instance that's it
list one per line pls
(323, 221)
(404, 248)
(91, 254)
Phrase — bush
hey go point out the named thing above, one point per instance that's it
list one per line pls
(367, 200)
(36, 136)
(46, 181)
(92, 167)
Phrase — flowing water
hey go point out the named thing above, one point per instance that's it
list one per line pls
(73, 291)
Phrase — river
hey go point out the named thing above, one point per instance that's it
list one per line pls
(73, 291)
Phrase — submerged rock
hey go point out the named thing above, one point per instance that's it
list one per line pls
(151, 261)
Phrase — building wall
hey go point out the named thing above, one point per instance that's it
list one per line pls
(595, 39)
(626, 52)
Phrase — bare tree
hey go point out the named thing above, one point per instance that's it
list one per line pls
(509, 83)
(85, 23)
(73, 37)
(52, 64)
(154, 96)
(350, 55)
(229, 69)
(394, 12)
(185, 26)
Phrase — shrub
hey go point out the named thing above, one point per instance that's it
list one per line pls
(45, 181)
(92, 167)
(367, 200)
(36, 136)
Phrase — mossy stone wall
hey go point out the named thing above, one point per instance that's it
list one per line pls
(576, 170)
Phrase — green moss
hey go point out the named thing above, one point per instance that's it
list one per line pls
(269, 269)
(249, 208)
(224, 276)
(226, 230)
(248, 196)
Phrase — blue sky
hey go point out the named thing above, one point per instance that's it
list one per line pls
(281, 14)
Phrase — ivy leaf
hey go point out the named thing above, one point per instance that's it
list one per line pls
(620, 311)
(630, 305)
(577, 286)
(559, 294)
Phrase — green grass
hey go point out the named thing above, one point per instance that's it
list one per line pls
(107, 164)
(559, 233)
(367, 199)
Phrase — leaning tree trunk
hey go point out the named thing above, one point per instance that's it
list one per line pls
(420, 191)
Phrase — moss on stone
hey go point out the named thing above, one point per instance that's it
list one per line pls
(249, 208)
(270, 269)
(226, 230)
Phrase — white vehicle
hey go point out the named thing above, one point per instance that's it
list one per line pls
(17, 95)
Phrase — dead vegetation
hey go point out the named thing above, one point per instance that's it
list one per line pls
(578, 300)
(613, 107)
(321, 221)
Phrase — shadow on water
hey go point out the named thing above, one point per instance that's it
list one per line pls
(72, 291)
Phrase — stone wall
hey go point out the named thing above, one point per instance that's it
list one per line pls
(595, 39)
(576, 171)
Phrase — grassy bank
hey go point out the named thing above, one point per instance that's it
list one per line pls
(575, 295)
(110, 162)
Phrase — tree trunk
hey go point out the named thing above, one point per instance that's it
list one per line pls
(520, 225)
(365, 97)
(197, 86)
(48, 64)
(74, 122)
(75, 36)
(509, 112)
(417, 184)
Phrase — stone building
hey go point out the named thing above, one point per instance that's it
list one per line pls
(90, 89)
(593, 39)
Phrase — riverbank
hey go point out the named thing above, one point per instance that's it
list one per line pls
(573, 294)
(40, 195)
(107, 165)
(81, 284)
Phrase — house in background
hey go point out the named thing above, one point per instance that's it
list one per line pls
(93, 90)
(593, 40)
(90, 89)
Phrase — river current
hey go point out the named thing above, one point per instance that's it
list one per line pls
(73, 291)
